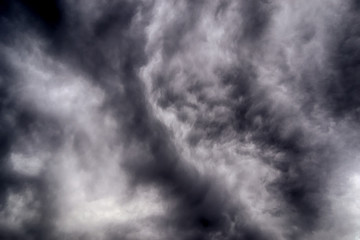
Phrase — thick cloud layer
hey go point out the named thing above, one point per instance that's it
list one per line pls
(186, 119)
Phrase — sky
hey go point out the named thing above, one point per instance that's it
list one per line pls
(179, 119)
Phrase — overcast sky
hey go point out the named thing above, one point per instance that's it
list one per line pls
(180, 119)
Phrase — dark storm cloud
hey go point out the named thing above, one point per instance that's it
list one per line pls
(192, 215)
(199, 212)
(19, 124)
(45, 17)
(305, 164)
(300, 184)
(256, 17)
(255, 114)
(205, 102)
(342, 89)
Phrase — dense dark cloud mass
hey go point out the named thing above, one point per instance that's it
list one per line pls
(186, 119)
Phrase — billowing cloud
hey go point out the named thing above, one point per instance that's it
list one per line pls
(186, 119)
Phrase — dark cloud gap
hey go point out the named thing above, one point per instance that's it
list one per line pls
(49, 13)
(342, 88)
(257, 18)
(45, 17)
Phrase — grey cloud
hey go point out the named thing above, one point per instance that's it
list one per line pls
(342, 84)
(178, 119)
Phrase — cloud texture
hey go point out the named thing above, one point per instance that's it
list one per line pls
(179, 119)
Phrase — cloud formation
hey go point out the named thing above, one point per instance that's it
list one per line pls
(186, 119)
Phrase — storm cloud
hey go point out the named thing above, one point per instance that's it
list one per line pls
(179, 119)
